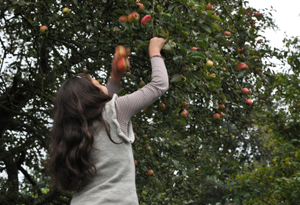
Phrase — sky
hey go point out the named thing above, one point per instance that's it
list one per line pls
(287, 19)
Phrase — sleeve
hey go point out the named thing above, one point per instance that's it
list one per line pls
(130, 104)
(112, 88)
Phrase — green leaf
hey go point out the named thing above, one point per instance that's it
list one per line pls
(120, 11)
(144, 44)
(219, 58)
(176, 78)
(173, 5)
(206, 28)
(196, 57)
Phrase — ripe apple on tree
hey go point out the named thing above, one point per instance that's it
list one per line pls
(221, 106)
(184, 113)
(248, 102)
(209, 6)
(145, 19)
(141, 84)
(184, 104)
(66, 11)
(140, 5)
(245, 91)
(216, 116)
(243, 66)
(148, 148)
(150, 172)
(133, 17)
(162, 106)
(128, 74)
(123, 18)
(43, 29)
(227, 33)
(209, 64)
(194, 48)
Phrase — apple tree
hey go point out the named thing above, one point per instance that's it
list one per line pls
(184, 154)
(276, 180)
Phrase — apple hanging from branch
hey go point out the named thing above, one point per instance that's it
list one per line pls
(123, 18)
(145, 19)
(248, 102)
(43, 29)
(216, 116)
(133, 17)
(243, 66)
(245, 91)
(66, 11)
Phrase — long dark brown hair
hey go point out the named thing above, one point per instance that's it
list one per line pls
(77, 105)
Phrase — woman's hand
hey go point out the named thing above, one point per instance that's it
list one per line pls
(155, 46)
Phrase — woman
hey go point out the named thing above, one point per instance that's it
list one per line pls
(90, 147)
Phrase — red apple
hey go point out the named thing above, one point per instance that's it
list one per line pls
(259, 41)
(133, 17)
(257, 14)
(66, 11)
(221, 106)
(224, 69)
(209, 6)
(145, 19)
(141, 84)
(148, 148)
(120, 51)
(194, 48)
(184, 113)
(184, 104)
(248, 102)
(140, 5)
(245, 91)
(121, 64)
(222, 114)
(241, 50)
(43, 29)
(216, 116)
(150, 172)
(253, 25)
(123, 18)
(209, 64)
(227, 33)
(243, 66)
(162, 106)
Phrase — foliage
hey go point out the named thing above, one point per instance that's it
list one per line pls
(192, 158)
(276, 180)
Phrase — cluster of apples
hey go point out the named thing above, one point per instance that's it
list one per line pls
(241, 66)
(122, 54)
(44, 29)
(135, 16)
